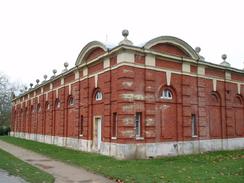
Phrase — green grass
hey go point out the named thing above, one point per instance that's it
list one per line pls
(19, 168)
(222, 166)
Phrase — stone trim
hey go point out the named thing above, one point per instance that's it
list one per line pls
(175, 41)
(85, 70)
(126, 57)
(90, 46)
(168, 77)
(150, 60)
(135, 49)
(139, 150)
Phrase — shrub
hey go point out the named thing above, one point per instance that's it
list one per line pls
(4, 130)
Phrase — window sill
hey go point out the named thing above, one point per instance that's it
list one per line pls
(81, 135)
(139, 138)
(194, 136)
(114, 138)
(165, 98)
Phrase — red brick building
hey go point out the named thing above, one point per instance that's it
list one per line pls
(158, 99)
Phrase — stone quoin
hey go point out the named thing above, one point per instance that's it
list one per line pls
(126, 101)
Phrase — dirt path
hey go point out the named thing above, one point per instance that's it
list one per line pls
(62, 172)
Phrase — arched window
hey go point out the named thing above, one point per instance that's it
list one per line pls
(57, 103)
(166, 94)
(32, 109)
(71, 101)
(238, 100)
(38, 108)
(47, 106)
(214, 98)
(98, 96)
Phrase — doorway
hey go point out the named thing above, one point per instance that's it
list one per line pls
(97, 133)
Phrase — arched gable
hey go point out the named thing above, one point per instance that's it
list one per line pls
(91, 51)
(171, 45)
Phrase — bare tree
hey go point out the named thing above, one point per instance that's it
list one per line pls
(5, 100)
(7, 89)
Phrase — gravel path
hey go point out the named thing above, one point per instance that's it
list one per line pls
(62, 172)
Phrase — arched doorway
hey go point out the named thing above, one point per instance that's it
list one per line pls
(39, 119)
(168, 113)
(71, 117)
(97, 117)
(56, 121)
(215, 125)
(47, 124)
(238, 115)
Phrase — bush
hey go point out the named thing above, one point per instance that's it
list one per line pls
(4, 130)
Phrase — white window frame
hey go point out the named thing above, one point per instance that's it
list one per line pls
(166, 94)
(47, 106)
(98, 96)
(71, 101)
(57, 104)
(138, 118)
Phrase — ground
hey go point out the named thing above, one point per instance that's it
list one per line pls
(223, 166)
(17, 167)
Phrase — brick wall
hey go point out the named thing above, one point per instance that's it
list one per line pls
(132, 88)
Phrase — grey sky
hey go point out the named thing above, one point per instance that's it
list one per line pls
(38, 36)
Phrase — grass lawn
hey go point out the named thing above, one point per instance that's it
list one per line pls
(19, 168)
(224, 166)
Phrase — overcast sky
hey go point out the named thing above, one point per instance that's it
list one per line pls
(38, 36)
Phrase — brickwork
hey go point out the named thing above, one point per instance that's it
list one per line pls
(66, 105)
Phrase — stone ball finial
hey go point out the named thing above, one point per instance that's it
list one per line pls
(66, 64)
(198, 49)
(54, 71)
(125, 33)
(37, 81)
(25, 88)
(31, 84)
(45, 77)
(224, 57)
(225, 63)
(21, 91)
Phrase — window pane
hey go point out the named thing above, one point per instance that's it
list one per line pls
(47, 106)
(81, 124)
(99, 95)
(71, 101)
(166, 94)
(138, 124)
(194, 125)
(57, 103)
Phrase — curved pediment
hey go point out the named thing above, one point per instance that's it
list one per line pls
(91, 51)
(171, 45)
